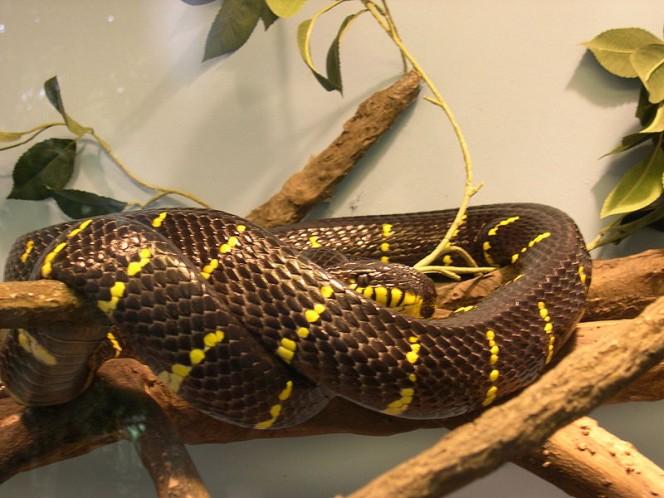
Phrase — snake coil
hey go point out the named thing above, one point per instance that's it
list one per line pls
(245, 327)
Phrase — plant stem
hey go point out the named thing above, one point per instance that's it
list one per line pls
(36, 131)
(161, 192)
(385, 21)
(388, 15)
(453, 272)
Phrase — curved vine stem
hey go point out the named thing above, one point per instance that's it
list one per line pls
(388, 15)
(161, 192)
(454, 272)
(36, 131)
(385, 21)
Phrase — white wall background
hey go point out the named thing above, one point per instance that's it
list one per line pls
(537, 110)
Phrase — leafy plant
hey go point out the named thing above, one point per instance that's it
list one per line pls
(244, 16)
(637, 197)
(46, 168)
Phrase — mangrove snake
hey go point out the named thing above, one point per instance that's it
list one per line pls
(245, 324)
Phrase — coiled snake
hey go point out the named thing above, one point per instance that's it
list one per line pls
(243, 325)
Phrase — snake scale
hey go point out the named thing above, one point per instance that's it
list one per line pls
(241, 323)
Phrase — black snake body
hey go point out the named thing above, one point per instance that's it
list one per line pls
(247, 329)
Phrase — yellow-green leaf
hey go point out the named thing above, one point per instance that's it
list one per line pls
(657, 123)
(52, 90)
(612, 49)
(648, 61)
(639, 187)
(304, 31)
(285, 8)
(334, 52)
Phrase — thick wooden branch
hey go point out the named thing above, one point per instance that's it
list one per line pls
(164, 455)
(647, 387)
(24, 304)
(39, 437)
(583, 379)
(316, 180)
(620, 288)
(587, 461)
(126, 389)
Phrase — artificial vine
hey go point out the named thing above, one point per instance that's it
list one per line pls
(637, 199)
(46, 168)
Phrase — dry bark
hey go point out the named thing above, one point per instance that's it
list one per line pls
(164, 455)
(127, 395)
(24, 304)
(316, 180)
(620, 287)
(587, 461)
(126, 391)
(647, 387)
(583, 379)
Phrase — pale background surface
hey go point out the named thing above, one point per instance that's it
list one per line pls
(537, 112)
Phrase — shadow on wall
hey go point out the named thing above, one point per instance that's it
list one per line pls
(603, 89)
(599, 87)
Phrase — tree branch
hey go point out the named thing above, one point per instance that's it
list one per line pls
(125, 389)
(580, 382)
(587, 461)
(620, 288)
(164, 455)
(316, 180)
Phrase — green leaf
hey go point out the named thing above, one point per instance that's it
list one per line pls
(645, 111)
(628, 142)
(612, 49)
(304, 31)
(657, 123)
(648, 61)
(232, 27)
(52, 89)
(285, 8)
(639, 187)
(81, 204)
(44, 167)
(333, 53)
(267, 16)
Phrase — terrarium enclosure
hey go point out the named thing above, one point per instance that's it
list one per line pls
(538, 113)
